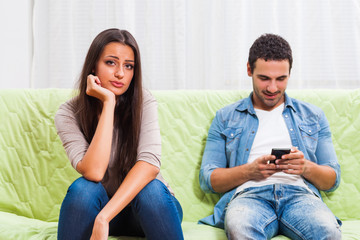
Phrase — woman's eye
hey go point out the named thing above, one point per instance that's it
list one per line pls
(110, 62)
(129, 66)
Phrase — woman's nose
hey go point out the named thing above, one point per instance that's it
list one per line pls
(119, 73)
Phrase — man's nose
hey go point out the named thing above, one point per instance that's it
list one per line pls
(272, 87)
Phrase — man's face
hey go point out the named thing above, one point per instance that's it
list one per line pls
(270, 79)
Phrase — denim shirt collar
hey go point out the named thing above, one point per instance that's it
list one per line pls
(248, 106)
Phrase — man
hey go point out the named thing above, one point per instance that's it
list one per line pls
(263, 196)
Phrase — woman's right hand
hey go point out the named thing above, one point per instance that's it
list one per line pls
(100, 229)
(94, 89)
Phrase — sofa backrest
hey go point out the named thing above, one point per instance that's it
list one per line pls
(185, 117)
(35, 172)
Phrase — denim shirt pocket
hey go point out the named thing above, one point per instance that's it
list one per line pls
(232, 138)
(310, 135)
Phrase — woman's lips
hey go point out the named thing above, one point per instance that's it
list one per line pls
(117, 84)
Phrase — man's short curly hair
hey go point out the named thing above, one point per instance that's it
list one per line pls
(270, 47)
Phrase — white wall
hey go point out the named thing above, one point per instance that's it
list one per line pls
(15, 43)
(187, 45)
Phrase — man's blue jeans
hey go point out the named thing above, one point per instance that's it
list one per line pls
(153, 213)
(264, 212)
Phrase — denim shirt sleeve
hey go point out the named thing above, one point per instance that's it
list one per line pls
(315, 137)
(325, 152)
(213, 157)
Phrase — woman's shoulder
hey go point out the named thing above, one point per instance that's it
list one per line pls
(147, 94)
(148, 97)
(65, 118)
(68, 107)
(66, 112)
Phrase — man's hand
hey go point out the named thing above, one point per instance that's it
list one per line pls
(321, 176)
(94, 89)
(225, 179)
(261, 169)
(292, 163)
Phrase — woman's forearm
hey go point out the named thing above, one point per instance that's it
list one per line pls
(138, 177)
(96, 159)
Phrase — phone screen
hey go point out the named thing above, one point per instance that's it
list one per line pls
(278, 152)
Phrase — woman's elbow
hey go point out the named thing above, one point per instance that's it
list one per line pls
(91, 174)
(94, 177)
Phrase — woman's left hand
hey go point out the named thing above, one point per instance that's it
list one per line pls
(100, 229)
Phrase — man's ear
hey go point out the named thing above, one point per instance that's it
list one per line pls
(249, 70)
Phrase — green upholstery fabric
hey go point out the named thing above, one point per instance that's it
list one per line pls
(35, 172)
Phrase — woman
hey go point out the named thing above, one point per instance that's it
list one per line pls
(111, 135)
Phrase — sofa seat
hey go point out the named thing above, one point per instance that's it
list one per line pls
(35, 172)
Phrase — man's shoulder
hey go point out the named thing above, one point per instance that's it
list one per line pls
(238, 105)
(305, 108)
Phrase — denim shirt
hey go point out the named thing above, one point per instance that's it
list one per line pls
(232, 134)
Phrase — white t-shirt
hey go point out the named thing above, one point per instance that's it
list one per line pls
(272, 133)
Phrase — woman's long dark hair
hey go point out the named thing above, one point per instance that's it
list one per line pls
(127, 118)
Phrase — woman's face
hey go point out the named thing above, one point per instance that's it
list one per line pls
(115, 67)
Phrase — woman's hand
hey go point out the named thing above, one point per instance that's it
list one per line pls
(94, 89)
(100, 229)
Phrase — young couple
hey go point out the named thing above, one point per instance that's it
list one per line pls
(111, 135)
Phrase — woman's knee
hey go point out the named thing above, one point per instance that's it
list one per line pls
(158, 212)
(83, 192)
(152, 191)
(155, 196)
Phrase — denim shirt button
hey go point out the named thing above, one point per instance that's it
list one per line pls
(291, 129)
(232, 134)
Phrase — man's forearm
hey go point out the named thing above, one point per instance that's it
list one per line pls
(322, 177)
(225, 179)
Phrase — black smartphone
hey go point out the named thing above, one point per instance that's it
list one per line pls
(278, 152)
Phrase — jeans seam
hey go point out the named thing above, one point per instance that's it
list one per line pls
(293, 229)
(270, 221)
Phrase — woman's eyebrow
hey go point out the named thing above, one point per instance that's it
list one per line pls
(127, 60)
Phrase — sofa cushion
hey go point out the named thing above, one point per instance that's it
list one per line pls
(35, 172)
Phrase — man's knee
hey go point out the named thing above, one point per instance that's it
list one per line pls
(244, 222)
(327, 228)
(319, 227)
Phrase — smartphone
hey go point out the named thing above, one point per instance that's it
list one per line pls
(278, 152)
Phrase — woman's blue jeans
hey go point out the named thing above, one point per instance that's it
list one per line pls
(264, 212)
(154, 213)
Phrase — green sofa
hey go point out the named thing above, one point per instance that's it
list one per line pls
(35, 172)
